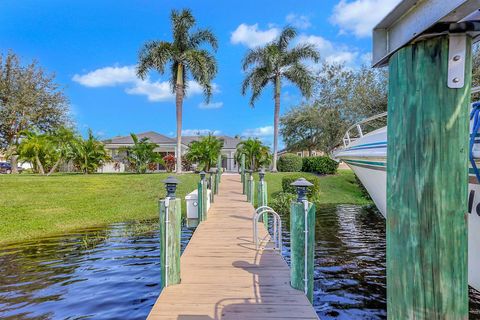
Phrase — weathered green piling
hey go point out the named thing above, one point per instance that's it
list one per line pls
(202, 200)
(170, 223)
(212, 186)
(219, 168)
(427, 180)
(262, 199)
(302, 233)
(251, 188)
(242, 173)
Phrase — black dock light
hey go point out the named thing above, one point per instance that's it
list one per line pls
(171, 186)
(261, 174)
(301, 185)
(202, 175)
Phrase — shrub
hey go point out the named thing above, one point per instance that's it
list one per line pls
(280, 202)
(319, 165)
(289, 162)
(286, 181)
(169, 161)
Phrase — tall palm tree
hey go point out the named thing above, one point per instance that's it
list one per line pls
(273, 63)
(185, 57)
(256, 154)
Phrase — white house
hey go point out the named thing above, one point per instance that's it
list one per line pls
(166, 145)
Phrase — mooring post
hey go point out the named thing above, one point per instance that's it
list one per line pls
(170, 223)
(211, 180)
(242, 173)
(215, 180)
(219, 168)
(262, 195)
(302, 233)
(251, 188)
(427, 179)
(202, 203)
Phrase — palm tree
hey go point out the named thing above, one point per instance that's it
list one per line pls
(205, 151)
(256, 154)
(62, 140)
(142, 153)
(34, 148)
(89, 154)
(185, 57)
(271, 64)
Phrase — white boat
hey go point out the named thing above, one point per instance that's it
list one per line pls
(366, 155)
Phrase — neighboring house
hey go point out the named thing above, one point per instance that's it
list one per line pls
(166, 145)
(302, 153)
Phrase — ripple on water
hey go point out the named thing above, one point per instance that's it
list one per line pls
(101, 273)
(114, 272)
(350, 264)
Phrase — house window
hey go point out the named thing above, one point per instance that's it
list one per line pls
(299, 154)
(314, 153)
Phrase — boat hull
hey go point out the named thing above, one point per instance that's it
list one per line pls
(367, 158)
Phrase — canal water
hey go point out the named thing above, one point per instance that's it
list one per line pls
(114, 272)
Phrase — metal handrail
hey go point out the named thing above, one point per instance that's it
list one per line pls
(277, 227)
(347, 139)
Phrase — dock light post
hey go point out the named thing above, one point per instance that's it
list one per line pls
(302, 232)
(202, 198)
(427, 47)
(262, 195)
(170, 222)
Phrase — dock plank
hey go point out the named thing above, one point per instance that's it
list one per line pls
(224, 276)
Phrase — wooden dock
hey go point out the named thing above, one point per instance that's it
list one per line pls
(224, 277)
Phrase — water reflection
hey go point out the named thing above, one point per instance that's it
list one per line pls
(350, 264)
(104, 273)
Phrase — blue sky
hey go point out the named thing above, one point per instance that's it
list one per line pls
(92, 47)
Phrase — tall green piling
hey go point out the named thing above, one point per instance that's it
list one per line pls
(202, 199)
(302, 243)
(251, 189)
(242, 173)
(170, 223)
(219, 168)
(427, 180)
(262, 198)
(212, 186)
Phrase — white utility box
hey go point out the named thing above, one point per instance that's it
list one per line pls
(192, 203)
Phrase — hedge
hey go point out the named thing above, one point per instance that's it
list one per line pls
(289, 162)
(286, 181)
(319, 165)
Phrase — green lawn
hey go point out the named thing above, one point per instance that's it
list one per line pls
(32, 205)
(334, 189)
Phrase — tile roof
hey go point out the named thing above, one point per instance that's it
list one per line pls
(151, 135)
(228, 142)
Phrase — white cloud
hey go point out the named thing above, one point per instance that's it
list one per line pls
(126, 76)
(360, 16)
(329, 51)
(211, 105)
(200, 132)
(251, 36)
(258, 132)
(298, 21)
(107, 77)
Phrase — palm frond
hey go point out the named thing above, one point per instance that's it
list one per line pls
(302, 77)
(182, 22)
(203, 68)
(153, 55)
(253, 56)
(287, 34)
(300, 52)
(256, 80)
(199, 37)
